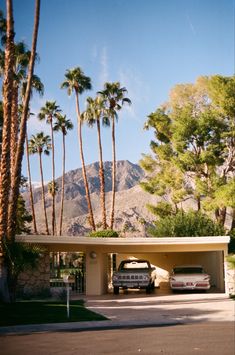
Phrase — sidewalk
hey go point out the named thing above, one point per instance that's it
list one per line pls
(139, 310)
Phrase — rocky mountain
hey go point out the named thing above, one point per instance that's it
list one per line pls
(130, 199)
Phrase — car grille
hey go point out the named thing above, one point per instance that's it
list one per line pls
(130, 277)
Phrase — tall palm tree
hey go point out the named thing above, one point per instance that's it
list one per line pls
(63, 125)
(37, 86)
(48, 113)
(76, 81)
(114, 96)
(39, 144)
(22, 57)
(94, 113)
(21, 60)
(23, 124)
(6, 138)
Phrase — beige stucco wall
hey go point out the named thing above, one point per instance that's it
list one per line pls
(96, 272)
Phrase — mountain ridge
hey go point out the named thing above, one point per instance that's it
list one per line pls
(127, 211)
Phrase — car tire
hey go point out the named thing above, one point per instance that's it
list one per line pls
(148, 289)
(116, 290)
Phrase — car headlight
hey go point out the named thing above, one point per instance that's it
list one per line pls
(145, 277)
(115, 277)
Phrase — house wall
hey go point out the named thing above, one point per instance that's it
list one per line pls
(34, 281)
(96, 272)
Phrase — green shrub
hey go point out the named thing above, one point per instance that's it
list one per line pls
(108, 233)
(186, 224)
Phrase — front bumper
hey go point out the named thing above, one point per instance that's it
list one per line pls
(200, 285)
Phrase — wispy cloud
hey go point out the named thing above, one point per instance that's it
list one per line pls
(191, 25)
(104, 72)
(137, 89)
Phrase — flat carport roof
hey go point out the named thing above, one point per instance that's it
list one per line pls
(119, 245)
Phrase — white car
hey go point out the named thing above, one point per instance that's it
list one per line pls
(189, 277)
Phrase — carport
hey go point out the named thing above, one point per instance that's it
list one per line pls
(161, 252)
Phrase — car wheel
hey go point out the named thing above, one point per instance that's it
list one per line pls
(148, 289)
(116, 290)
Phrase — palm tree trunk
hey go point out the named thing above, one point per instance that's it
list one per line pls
(14, 125)
(5, 177)
(62, 187)
(23, 124)
(30, 185)
(53, 180)
(91, 217)
(101, 174)
(113, 174)
(43, 193)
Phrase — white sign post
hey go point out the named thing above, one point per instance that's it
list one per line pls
(67, 280)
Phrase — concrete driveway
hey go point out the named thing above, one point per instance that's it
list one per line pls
(138, 308)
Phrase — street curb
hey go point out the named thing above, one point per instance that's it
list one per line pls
(80, 326)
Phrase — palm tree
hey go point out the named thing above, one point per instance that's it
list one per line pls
(21, 60)
(23, 124)
(76, 81)
(39, 144)
(48, 112)
(37, 86)
(114, 96)
(6, 138)
(63, 125)
(94, 113)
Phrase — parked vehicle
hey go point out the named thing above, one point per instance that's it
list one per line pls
(189, 277)
(135, 273)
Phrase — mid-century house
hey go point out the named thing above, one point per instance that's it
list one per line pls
(164, 253)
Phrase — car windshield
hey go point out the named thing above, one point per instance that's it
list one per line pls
(134, 265)
(188, 270)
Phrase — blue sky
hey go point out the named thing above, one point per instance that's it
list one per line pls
(147, 45)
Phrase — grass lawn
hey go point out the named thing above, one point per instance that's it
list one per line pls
(38, 312)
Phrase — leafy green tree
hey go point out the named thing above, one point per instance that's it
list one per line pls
(94, 114)
(193, 150)
(77, 81)
(114, 98)
(48, 113)
(186, 224)
(63, 125)
(40, 144)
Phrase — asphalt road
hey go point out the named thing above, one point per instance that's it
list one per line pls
(215, 338)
